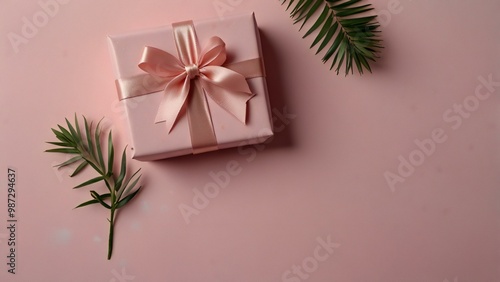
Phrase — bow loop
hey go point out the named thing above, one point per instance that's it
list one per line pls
(214, 53)
(160, 63)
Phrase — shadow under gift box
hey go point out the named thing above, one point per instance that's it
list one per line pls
(152, 141)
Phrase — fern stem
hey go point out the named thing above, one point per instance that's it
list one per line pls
(111, 231)
(110, 183)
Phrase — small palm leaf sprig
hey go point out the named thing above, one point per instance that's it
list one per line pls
(87, 152)
(353, 36)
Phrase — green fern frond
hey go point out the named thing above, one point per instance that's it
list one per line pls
(87, 150)
(352, 36)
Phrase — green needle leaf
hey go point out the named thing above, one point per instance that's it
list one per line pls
(127, 199)
(126, 187)
(63, 150)
(99, 199)
(334, 47)
(123, 170)
(318, 23)
(328, 37)
(70, 161)
(94, 201)
(111, 154)
(77, 127)
(309, 14)
(91, 181)
(79, 168)
(61, 136)
(71, 129)
(322, 32)
(346, 4)
(88, 134)
(66, 134)
(98, 146)
(60, 144)
(131, 186)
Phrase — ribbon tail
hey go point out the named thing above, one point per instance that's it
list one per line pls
(200, 122)
(174, 97)
(233, 101)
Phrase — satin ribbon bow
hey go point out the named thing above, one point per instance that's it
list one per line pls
(192, 76)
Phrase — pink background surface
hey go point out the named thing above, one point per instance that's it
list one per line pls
(321, 178)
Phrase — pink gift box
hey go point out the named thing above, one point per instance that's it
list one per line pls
(152, 141)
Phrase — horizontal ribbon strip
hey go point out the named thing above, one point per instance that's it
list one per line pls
(144, 84)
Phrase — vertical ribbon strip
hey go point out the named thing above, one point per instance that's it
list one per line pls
(190, 78)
